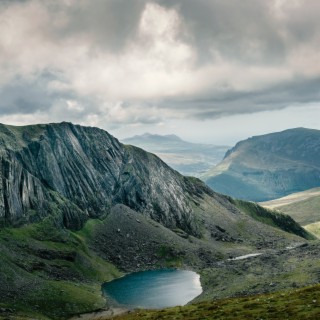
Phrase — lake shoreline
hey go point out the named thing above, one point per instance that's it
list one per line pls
(154, 289)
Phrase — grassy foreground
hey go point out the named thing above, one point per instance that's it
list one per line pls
(293, 304)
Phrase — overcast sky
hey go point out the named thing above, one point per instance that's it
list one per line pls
(213, 71)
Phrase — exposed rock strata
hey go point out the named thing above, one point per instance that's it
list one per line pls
(87, 170)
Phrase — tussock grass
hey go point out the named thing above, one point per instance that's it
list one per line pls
(50, 273)
(292, 304)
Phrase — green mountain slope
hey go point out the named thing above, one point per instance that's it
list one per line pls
(313, 228)
(304, 206)
(293, 304)
(188, 158)
(78, 208)
(269, 166)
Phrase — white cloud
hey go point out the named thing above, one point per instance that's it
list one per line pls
(74, 105)
(142, 62)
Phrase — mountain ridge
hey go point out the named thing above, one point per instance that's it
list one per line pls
(186, 157)
(81, 172)
(269, 166)
(56, 142)
(148, 135)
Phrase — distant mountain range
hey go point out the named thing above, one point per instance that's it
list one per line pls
(188, 158)
(269, 166)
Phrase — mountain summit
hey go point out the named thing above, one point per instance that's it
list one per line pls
(269, 166)
(82, 172)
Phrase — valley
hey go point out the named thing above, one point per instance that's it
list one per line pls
(159, 160)
(78, 208)
(190, 159)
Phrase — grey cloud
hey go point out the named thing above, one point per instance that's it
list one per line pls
(107, 24)
(28, 96)
(25, 96)
(232, 27)
(8, 2)
(298, 91)
(302, 23)
(245, 33)
(35, 95)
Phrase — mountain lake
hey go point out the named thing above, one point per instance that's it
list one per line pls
(154, 289)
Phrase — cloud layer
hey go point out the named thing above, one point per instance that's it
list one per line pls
(116, 62)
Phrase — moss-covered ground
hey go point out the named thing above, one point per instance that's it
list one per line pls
(291, 304)
(273, 218)
(47, 272)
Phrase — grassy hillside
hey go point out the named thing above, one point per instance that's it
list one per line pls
(291, 304)
(280, 276)
(49, 272)
(314, 228)
(304, 206)
(270, 166)
(52, 272)
(272, 218)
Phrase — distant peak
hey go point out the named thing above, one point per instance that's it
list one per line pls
(147, 135)
(173, 137)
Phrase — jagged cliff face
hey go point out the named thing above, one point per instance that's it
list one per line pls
(81, 172)
(73, 173)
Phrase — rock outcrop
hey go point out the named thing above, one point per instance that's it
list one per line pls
(82, 172)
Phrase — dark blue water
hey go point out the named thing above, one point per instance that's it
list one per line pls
(154, 289)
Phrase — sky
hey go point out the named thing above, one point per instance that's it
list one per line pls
(210, 71)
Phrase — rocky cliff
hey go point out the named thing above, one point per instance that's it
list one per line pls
(82, 172)
(73, 173)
